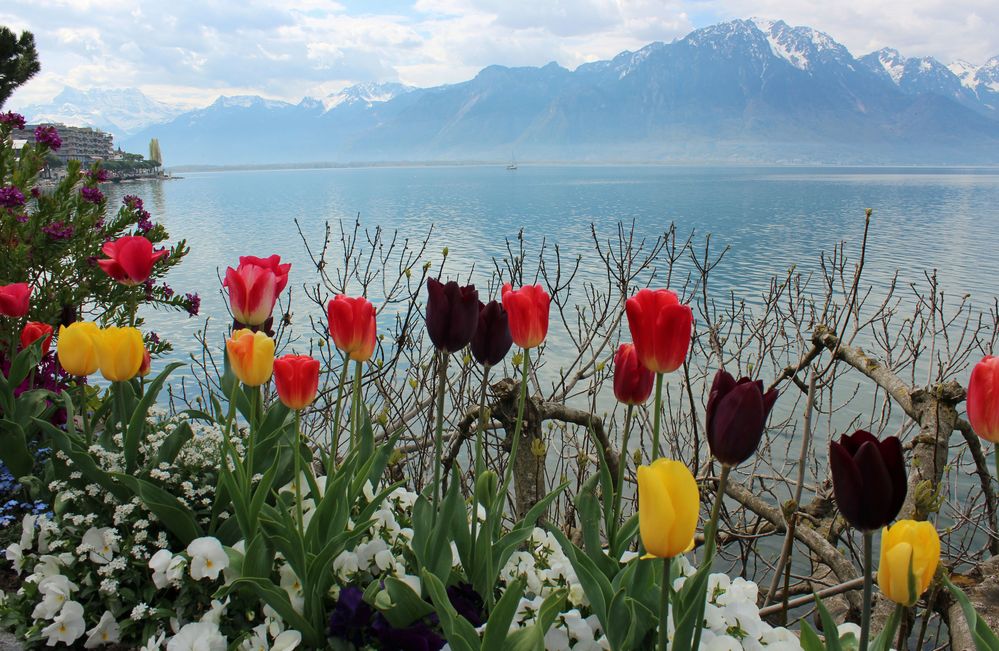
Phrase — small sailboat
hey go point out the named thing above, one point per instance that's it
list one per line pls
(513, 164)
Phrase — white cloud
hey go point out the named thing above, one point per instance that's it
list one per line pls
(188, 51)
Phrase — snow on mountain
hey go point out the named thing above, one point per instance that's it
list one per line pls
(248, 101)
(367, 94)
(891, 61)
(802, 47)
(121, 111)
(965, 72)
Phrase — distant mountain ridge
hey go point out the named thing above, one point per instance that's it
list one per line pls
(744, 90)
(119, 111)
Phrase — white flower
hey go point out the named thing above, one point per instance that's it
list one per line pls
(101, 543)
(15, 557)
(208, 558)
(155, 642)
(175, 571)
(291, 585)
(287, 641)
(28, 530)
(215, 612)
(199, 636)
(106, 631)
(67, 627)
(159, 564)
(55, 591)
(345, 565)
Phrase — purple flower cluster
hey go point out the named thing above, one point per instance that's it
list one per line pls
(145, 221)
(145, 224)
(100, 176)
(132, 201)
(193, 304)
(93, 195)
(12, 120)
(167, 290)
(58, 230)
(11, 197)
(49, 137)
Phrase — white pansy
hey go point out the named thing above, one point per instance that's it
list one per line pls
(208, 558)
(345, 565)
(15, 557)
(67, 627)
(175, 571)
(215, 612)
(106, 632)
(159, 563)
(287, 641)
(28, 530)
(56, 591)
(199, 636)
(101, 543)
(291, 585)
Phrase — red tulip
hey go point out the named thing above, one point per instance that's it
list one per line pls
(297, 380)
(352, 326)
(33, 331)
(14, 299)
(527, 312)
(130, 259)
(254, 287)
(632, 381)
(983, 398)
(147, 363)
(660, 327)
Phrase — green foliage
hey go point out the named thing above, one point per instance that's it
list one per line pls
(18, 413)
(984, 638)
(18, 61)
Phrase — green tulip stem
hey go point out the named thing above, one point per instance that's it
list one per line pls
(442, 359)
(297, 456)
(664, 604)
(251, 433)
(479, 461)
(508, 474)
(622, 463)
(355, 406)
(865, 622)
(657, 418)
(337, 412)
(711, 531)
(87, 433)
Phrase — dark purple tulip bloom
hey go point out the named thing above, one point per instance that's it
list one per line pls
(415, 637)
(736, 415)
(467, 602)
(492, 339)
(351, 616)
(868, 479)
(452, 314)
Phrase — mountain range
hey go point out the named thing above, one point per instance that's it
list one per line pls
(740, 91)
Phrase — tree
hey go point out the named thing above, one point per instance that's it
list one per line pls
(18, 61)
(154, 151)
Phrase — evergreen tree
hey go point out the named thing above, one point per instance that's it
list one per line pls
(18, 61)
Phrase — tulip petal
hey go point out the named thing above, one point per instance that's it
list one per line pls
(878, 493)
(737, 424)
(848, 486)
(894, 460)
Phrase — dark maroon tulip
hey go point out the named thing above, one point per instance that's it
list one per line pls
(736, 415)
(868, 479)
(452, 314)
(492, 339)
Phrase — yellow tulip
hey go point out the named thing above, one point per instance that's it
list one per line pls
(120, 352)
(251, 356)
(668, 507)
(906, 545)
(77, 348)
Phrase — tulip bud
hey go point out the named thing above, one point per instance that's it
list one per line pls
(868, 479)
(130, 259)
(486, 486)
(254, 287)
(527, 312)
(147, 364)
(632, 381)
(736, 415)
(983, 398)
(14, 299)
(251, 356)
(910, 552)
(661, 329)
(452, 314)
(296, 378)
(33, 331)
(120, 352)
(352, 326)
(491, 341)
(668, 507)
(76, 348)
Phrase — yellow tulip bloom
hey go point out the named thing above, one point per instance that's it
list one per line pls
(120, 352)
(668, 507)
(251, 356)
(906, 545)
(77, 348)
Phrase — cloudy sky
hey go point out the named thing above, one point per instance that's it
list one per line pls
(188, 52)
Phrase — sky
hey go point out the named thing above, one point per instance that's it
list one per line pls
(188, 53)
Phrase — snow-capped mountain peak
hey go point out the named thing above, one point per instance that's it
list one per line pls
(367, 94)
(120, 111)
(248, 101)
(893, 63)
(965, 72)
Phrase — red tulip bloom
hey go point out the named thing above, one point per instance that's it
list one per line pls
(296, 378)
(130, 259)
(660, 327)
(632, 381)
(33, 331)
(254, 287)
(352, 326)
(736, 415)
(527, 312)
(869, 479)
(983, 398)
(147, 363)
(14, 299)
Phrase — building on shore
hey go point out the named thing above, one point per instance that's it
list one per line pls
(84, 144)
